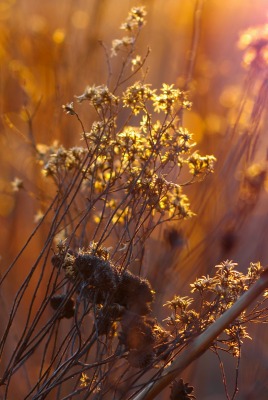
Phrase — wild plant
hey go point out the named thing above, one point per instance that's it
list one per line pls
(94, 334)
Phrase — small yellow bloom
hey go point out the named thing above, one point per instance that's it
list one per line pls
(17, 184)
(84, 380)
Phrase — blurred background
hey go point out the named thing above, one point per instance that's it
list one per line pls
(49, 52)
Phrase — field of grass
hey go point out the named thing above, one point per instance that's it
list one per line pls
(133, 161)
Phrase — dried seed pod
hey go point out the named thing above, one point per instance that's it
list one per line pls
(98, 272)
(105, 276)
(181, 391)
(58, 301)
(85, 264)
(134, 293)
(140, 358)
(116, 311)
(103, 323)
(57, 260)
(138, 331)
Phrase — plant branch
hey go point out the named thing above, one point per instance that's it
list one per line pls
(204, 341)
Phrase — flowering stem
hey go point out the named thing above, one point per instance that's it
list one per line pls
(204, 341)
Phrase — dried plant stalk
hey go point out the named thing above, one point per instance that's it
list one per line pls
(204, 341)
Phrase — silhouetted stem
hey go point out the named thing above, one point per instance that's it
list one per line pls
(204, 341)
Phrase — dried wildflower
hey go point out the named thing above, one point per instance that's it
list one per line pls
(136, 96)
(202, 284)
(134, 293)
(69, 108)
(187, 104)
(119, 44)
(121, 175)
(17, 184)
(179, 302)
(161, 341)
(183, 321)
(136, 62)
(95, 249)
(254, 271)
(136, 16)
(98, 96)
(181, 391)
(167, 99)
(69, 266)
(216, 295)
(236, 332)
(84, 380)
(66, 260)
(200, 164)
(132, 26)
(179, 203)
(62, 160)
(189, 318)
(61, 246)
(86, 263)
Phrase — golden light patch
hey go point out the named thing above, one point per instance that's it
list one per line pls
(6, 204)
(58, 36)
(195, 124)
(80, 19)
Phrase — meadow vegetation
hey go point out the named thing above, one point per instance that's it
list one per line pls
(126, 277)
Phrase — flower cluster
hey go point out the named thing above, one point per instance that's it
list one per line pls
(128, 174)
(134, 22)
(137, 96)
(117, 297)
(217, 294)
(92, 269)
(134, 19)
(181, 391)
(126, 180)
(200, 165)
(56, 160)
(98, 96)
(169, 100)
(131, 166)
(170, 97)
